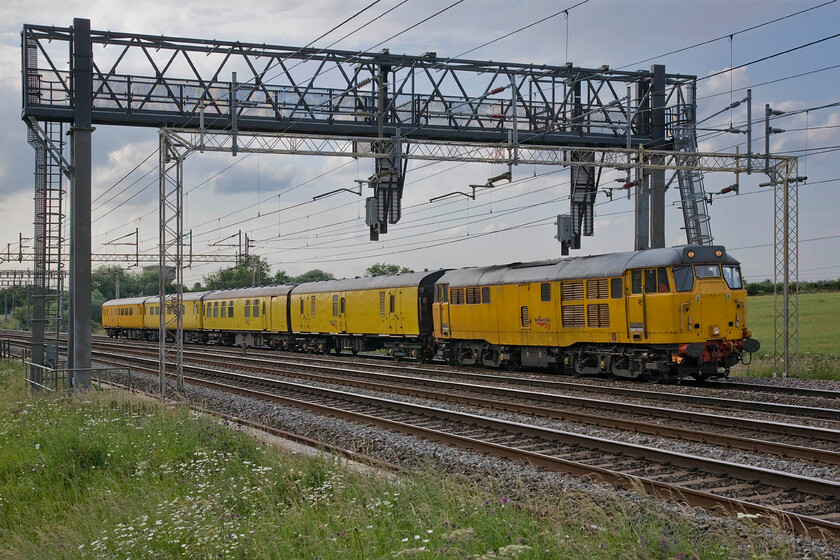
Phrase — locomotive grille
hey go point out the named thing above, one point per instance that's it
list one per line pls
(572, 291)
(597, 289)
(598, 315)
(573, 315)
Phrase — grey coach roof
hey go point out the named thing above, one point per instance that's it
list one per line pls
(366, 283)
(261, 291)
(598, 266)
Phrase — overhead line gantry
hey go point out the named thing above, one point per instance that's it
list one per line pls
(209, 94)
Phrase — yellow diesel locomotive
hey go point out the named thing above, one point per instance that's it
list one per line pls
(659, 314)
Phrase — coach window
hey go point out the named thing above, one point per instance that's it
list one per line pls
(683, 278)
(545, 291)
(636, 281)
(223, 311)
(256, 308)
(616, 288)
(248, 308)
(485, 294)
(230, 308)
(650, 280)
(335, 306)
(662, 280)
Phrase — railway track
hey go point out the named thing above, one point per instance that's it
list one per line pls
(808, 504)
(586, 383)
(807, 438)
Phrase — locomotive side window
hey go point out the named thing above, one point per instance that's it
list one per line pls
(301, 306)
(485, 294)
(636, 281)
(683, 278)
(392, 303)
(545, 291)
(616, 288)
(446, 293)
(707, 271)
(342, 306)
(650, 280)
(732, 276)
(662, 279)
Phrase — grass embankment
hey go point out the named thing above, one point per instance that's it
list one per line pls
(819, 336)
(104, 475)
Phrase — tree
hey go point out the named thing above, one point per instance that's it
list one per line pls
(281, 278)
(252, 271)
(313, 275)
(382, 269)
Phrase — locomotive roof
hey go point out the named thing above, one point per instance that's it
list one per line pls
(259, 291)
(598, 266)
(411, 279)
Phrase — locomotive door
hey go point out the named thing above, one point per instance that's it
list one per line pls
(635, 307)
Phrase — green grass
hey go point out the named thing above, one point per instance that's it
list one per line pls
(819, 336)
(103, 475)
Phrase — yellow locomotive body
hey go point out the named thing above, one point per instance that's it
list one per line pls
(392, 312)
(658, 313)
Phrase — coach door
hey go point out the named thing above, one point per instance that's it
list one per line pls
(339, 311)
(636, 307)
(441, 310)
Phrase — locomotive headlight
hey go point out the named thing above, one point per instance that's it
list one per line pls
(715, 331)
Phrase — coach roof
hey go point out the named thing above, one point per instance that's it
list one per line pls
(408, 280)
(258, 292)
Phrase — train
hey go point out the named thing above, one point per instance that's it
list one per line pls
(660, 315)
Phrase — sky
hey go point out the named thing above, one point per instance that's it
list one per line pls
(269, 197)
